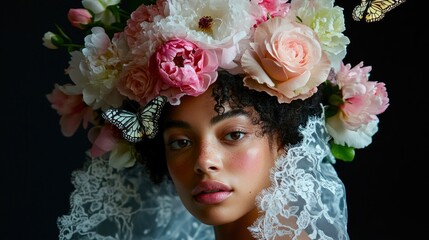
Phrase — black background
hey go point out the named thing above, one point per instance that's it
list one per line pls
(383, 183)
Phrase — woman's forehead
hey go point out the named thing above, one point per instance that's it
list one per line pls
(192, 106)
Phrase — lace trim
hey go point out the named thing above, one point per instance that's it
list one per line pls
(108, 204)
(306, 196)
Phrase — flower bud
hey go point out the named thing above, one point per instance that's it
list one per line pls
(52, 40)
(79, 17)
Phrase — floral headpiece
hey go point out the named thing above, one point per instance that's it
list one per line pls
(162, 50)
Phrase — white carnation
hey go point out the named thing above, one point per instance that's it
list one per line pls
(359, 138)
(95, 70)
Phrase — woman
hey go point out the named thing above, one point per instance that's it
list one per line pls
(234, 108)
(220, 148)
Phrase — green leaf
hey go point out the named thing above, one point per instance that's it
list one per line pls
(343, 152)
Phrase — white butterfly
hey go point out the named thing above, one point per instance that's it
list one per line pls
(135, 126)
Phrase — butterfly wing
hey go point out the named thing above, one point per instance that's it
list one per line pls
(149, 116)
(378, 9)
(359, 10)
(374, 10)
(126, 121)
(135, 126)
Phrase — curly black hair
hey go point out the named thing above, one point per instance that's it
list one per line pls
(281, 120)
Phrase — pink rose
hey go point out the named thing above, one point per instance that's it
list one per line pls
(184, 69)
(72, 110)
(79, 17)
(285, 60)
(136, 83)
(363, 99)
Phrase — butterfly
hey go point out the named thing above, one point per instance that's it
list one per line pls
(374, 10)
(135, 126)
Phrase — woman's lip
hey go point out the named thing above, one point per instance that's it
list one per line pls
(211, 192)
(213, 197)
(210, 186)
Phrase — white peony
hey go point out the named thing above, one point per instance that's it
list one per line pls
(95, 70)
(231, 23)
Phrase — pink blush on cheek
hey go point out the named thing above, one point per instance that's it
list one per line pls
(247, 161)
(250, 170)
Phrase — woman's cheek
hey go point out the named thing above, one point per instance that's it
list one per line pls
(176, 170)
(248, 161)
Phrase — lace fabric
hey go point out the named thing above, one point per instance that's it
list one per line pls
(108, 204)
(306, 196)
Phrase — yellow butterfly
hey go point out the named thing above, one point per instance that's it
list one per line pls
(374, 10)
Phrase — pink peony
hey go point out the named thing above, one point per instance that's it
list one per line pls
(79, 17)
(285, 60)
(184, 69)
(270, 9)
(72, 110)
(274, 8)
(363, 99)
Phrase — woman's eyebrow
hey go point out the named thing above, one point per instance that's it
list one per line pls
(213, 121)
(229, 114)
(176, 124)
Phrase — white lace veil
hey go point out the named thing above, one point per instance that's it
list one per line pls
(108, 204)
(305, 192)
(306, 195)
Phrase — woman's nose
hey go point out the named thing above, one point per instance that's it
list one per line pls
(208, 159)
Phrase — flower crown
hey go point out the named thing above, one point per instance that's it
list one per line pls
(162, 50)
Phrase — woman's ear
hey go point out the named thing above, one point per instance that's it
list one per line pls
(279, 147)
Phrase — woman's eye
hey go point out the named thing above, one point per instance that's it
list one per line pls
(234, 136)
(179, 144)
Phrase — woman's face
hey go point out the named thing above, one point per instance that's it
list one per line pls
(218, 164)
